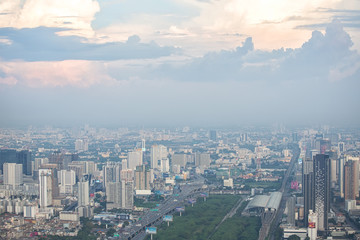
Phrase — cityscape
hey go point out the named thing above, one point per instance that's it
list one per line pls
(179, 120)
(124, 183)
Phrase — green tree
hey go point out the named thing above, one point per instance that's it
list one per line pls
(294, 237)
(110, 232)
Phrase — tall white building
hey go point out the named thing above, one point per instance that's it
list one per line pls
(134, 159)
(13, 174)
(312, 225)
(45, 188)
(159, 158)
(83, 192)
(67, 179)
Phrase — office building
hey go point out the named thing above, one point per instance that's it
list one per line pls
(180, 159)
(159, 158)
(67, 180)
(83, 191)
(120, 195)
(45, 188)
(322, 189)
(13, 174)
(213, 135)
(351, 178)
(134, 159)
(290, 206)
(202, 160)
(143, 178)
(312, 225)
(20, 157)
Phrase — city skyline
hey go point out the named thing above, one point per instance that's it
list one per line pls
(171, 63)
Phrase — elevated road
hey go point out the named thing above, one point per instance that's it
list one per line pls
(137, 230)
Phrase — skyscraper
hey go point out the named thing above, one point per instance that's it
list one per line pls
(143, 178)
(135, 159)
(83, 191)
(308, 190)
(13, 174)
(67, 179)
(322, 189)
(213, 135)
(12, 156)
(159, 158)
(120, 195)
(351, 179)
(45, 187)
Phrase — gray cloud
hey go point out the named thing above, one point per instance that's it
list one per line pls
(43, 44)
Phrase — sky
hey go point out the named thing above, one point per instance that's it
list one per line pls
(178, 63)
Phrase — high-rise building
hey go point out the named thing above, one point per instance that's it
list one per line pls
(24, 158)
(81, 145)
(322, 189)
(7, 156)
(308, 190)
(67, 180)
(159, 158)
(351, 178)
(202, 160)
(143, 178)
(83, 191)
(120, 195)
(312, 225)
(111, 172)
(45, 187)
(213, 135)
(12, 156)
(341, 148)
(290, 206)
(179, 159)
(13, 174)
(134, 159)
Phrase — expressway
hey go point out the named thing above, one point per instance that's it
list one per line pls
(137, 230)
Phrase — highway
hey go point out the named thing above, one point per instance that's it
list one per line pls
(137, 230)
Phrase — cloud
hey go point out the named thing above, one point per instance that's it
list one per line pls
(44, 44)
(76, 73)
(74, 14)
(315, 59)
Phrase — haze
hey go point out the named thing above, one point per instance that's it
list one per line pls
(187, 62)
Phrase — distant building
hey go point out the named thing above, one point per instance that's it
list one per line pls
(213, 135)
(81, 145)
(290, 206)
(45, 188)
(159, 158)
(120, 195)
(134, 159)
(20, 157)
(67, 180)
(143, 178)
(202, 160)
(83, 191)
(13, 174)
(351, 179)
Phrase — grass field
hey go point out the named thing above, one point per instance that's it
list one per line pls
(199, 222)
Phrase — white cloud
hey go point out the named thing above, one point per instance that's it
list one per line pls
(74, 14)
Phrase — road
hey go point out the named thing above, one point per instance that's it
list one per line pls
(137, 230)
(271, 221)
